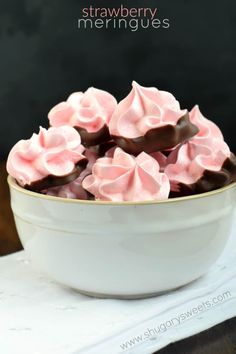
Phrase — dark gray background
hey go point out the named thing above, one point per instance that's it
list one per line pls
(44, 57)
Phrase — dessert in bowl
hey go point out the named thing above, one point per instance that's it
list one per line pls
(112, 220)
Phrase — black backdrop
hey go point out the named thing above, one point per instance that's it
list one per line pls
(44, 57)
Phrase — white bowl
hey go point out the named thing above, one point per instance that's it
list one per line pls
(125, 250)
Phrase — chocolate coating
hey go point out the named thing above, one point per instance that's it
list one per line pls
(55, 181)
(103, 148)
(91, 139)
(159, 139)
(210, 180)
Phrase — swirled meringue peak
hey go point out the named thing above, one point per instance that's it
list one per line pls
(200, 165)
(150, 120)
(51, 158)
(88, 112)
(207, 128)
(124, 177)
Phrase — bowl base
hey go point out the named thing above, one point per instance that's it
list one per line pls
(125, 297)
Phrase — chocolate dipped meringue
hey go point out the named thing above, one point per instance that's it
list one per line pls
(200, 165)
(88, 112)
(150, 120)
(127, 178)
(144, 148)
(203, 163)
(51, 158)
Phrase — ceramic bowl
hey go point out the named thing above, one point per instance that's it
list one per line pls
(123, 250)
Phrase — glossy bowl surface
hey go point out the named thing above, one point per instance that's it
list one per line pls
(123, 250)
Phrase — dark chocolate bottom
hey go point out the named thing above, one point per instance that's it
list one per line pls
(159, 139)
(91, 139)
(55, 181)
(210, 180)
(103, 148)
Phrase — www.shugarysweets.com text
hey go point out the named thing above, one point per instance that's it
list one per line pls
(128, 18)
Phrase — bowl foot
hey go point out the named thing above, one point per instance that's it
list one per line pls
(125, 297)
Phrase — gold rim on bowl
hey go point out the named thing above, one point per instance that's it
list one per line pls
(13, 184)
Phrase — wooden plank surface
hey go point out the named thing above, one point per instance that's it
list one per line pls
(9, 241)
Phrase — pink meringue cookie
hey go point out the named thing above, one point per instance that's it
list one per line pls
(143, 109)
(126, 178)
(206, 151)
(89, 112)
(149, 111)
(49, 158)
(192, 165)
(207, 128)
